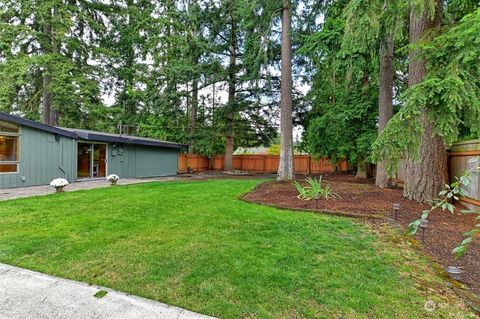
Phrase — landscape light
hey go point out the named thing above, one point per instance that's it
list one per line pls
(454, 272)
(396, 209)
(423, 225)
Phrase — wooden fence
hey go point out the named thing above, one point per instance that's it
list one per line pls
(460, 155)
(458, 162)
(303, 164)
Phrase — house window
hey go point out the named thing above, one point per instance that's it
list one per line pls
(9, 152)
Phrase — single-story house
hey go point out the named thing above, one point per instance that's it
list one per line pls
(33, 153)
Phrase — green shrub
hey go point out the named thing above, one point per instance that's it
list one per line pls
(315, 190)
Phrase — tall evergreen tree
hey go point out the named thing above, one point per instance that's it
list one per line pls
(442, 99)
(46, 54)
(343, 95)
(373, 27)
(426, 174)
(285, 168)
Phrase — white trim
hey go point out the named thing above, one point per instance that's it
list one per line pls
(18, 161)
(106, 161)
(10, 173)
(9, 134)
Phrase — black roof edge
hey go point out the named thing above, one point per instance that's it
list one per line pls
(127, 140)
(86, 136)
(21, 121)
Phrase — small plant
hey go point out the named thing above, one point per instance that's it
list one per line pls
(315, 190)
(453, 192)
(59, 184)
(113, 179)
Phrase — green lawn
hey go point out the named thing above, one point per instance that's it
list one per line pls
(193, 244)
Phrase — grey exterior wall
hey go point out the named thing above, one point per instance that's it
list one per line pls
(42, 159)
(142, 161)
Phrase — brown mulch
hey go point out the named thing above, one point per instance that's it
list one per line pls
(362, 198)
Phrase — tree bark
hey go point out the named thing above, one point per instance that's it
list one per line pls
(426, 176)
(285, 169)
(385, 101)
(362, 169)
(49, 114)
(232, 72)
(128, 101)
(193, 115)
(47, 98)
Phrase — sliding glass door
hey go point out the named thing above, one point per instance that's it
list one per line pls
(91, 160)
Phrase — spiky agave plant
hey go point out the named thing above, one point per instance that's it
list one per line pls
(315, 190)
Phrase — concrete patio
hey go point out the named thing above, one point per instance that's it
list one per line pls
(19, 192)
(26, 294)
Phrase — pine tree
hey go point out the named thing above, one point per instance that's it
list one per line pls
(46, 52)
(440, 102)
(286, 169)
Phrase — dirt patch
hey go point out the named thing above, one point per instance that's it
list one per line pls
(363, 199)
(356, 198)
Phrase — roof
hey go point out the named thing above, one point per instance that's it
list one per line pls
(89, 135)
(24, 122)
(117, 138)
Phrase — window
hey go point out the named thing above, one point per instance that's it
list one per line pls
(9, 153)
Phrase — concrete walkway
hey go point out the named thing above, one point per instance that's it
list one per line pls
(26, 294)
(12, 193)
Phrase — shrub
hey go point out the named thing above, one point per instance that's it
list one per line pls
(315, 190)
(59, 184)
(113, 179)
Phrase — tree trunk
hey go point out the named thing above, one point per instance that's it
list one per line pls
(49, 114)
(285, 169)
(385, 101)
(47, 98)
(232, 72)
(426, 176)
(193, 115)
(129, 101)
(362, 168)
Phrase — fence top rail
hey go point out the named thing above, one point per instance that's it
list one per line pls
(252, 155)
(464, 153)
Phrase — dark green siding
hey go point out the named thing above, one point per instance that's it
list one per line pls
(142, 161)
(42, 158)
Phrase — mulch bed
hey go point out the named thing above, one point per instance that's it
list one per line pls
(361, 198)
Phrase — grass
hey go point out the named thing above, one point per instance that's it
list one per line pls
(100, 294)
(195, 245)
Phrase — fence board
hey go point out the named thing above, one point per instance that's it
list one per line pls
(268, 164)
(460, 155)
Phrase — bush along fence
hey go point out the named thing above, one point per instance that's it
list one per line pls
(268, 164)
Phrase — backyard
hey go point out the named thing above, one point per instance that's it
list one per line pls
(194, 244)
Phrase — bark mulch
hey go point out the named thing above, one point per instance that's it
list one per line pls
(363, 199)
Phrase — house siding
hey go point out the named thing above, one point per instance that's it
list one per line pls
(136, 161)
(42, 158)
(155, 162)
